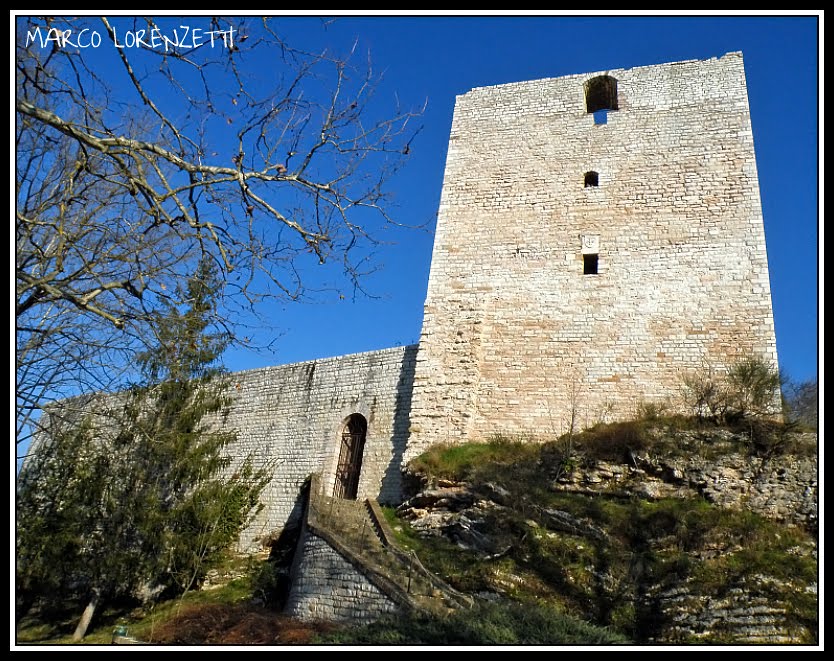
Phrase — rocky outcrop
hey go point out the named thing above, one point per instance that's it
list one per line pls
(458, 513)
(717, 601)
(740, 615)
(783, 488)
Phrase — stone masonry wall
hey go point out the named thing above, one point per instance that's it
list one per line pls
(328, 587)
(291, 417)
(515, 336)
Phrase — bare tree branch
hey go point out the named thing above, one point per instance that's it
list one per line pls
(135, 163)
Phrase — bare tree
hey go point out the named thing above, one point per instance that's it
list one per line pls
(801, 402)
(133, 163)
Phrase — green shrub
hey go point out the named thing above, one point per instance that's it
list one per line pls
(753, 388)
(652, 411)
(769, 438)
(614, 441)
(705, 394)
(268, 583)
(749, 389)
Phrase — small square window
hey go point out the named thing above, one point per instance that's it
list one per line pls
(591, 264)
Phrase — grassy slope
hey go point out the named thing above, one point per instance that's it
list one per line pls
(56, 627)
(555, 588)
(651, 545)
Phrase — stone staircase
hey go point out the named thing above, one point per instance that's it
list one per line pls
(360, 529)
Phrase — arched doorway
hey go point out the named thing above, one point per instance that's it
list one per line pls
(350, 457)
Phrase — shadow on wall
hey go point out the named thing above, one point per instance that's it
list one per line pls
(270, 537)
(391, 488)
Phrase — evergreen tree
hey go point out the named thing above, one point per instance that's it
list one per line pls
(146, 501)
(57, 506)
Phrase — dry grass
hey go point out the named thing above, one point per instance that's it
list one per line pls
(221, 624)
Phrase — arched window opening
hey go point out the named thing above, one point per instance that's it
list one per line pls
(354, 431)
(591, 179)
(601, 94)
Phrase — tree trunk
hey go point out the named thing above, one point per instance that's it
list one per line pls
(86, 616)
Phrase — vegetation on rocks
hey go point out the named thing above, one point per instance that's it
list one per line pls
(515, 528)
(661, 529)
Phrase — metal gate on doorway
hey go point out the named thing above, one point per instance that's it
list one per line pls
(350, 457)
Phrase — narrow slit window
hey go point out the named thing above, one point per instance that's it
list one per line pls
(591, 264)
(591, 179)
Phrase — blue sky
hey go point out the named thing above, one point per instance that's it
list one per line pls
(437, 58)
(431, 59)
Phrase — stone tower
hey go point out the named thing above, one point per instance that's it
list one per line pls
(599, 235)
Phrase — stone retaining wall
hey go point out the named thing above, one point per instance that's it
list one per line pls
(328, 587)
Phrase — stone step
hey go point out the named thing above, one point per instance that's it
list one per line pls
(351, 522)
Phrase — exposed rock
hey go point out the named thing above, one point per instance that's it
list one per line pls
(216, 578)
(494, 492)
(565, 522)
(453, 497)
(470, 531)
(430, 524)
(757, 610)
(454, 512)
(749, 617)
(783, 488)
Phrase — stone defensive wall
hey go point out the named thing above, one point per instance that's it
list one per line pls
(293, 417)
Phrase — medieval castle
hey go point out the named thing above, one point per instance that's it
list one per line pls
(599, 235)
